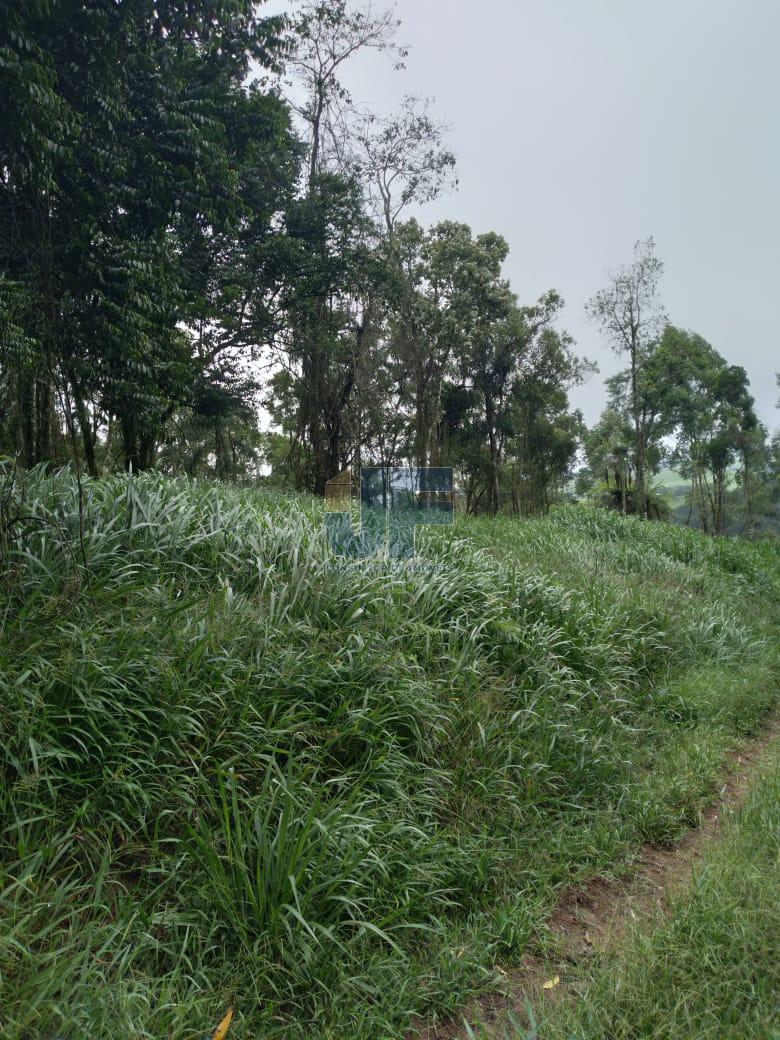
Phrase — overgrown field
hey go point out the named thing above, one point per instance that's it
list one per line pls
(238, 772)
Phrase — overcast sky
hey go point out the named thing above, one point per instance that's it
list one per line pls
(580, 126)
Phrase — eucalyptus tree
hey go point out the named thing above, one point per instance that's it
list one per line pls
(629, 313)
(439, 271)
(233, 273)
(323, 35)
(491, 378)
(491, 335)
(343, 382)
(774, 469)
(750, 503)
(519, 368)
(332, 295)
(403, 159)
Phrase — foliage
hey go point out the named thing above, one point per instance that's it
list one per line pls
(631, 316)
(174, 257)
(133, 140)
(237, 773)
(708, 969)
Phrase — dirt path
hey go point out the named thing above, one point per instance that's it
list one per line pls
(589, 918)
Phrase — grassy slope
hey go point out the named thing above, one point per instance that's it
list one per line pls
(711, 970)
(236, 772)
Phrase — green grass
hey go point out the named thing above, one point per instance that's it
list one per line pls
(711, 970)
(235, 771)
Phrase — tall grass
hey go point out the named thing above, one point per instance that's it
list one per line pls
(238, 771)
(708, 967)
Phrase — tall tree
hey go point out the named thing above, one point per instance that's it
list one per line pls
(403, 159)
(631, 317)
(545, 434)
(323, 36)
(608, 452)
(128, 145)
(709, 412)
(332, 305)
(331, 300)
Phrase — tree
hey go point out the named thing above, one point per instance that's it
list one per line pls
(121, 151)
(708, 409)
(331, 293)
(608, 451)
(631, 317)
(170, 251)
(402, 160)
(544, 435)
(322, 37)
(385, 164)
(490, 377)
(331, 300)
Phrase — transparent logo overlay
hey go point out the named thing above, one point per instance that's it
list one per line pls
(393, 502)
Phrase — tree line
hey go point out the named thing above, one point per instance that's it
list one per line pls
(679, 403)
(200, 225)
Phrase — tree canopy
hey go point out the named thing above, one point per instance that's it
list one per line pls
(201, 233)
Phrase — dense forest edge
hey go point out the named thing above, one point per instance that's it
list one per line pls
(214, 261)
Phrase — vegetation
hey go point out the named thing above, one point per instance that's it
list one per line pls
(717, 947)
(679, 402)
(238, 772)
(197, 220)
(235, 771)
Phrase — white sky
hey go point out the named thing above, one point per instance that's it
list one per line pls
(580, 126)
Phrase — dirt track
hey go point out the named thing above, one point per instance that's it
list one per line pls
(589, 918)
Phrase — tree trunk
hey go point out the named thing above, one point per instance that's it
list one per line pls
(44, 409)
(85, 426)
(494, 493)
(421, 418)
(747, 483)
(147, 450)
(26, 414)
(641, 451)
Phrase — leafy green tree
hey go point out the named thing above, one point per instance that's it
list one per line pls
(129, 144)
(331, 301)
(546, 435)
(334, 286)
(709, 410)
(446, 325)
(491, 377)
(608, 452)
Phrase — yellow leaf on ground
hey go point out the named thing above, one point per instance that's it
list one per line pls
(552, 983)
(221, 1030)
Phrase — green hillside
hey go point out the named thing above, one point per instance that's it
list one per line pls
(238, 772)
